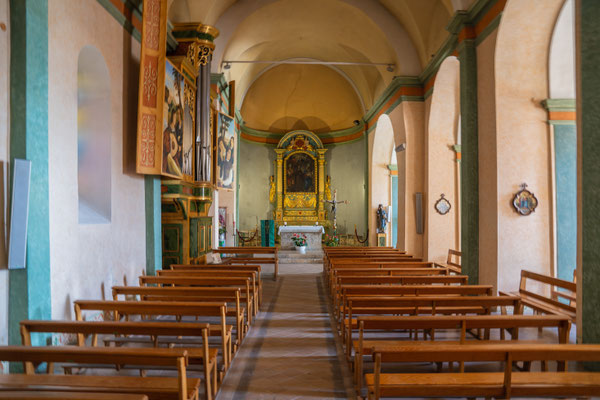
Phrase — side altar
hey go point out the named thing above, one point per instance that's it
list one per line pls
(299, 188)
(313, 236)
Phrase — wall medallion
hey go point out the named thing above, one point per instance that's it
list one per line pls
(442, 206)
(524, 201)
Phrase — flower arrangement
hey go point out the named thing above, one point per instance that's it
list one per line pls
(332, 240)
(299, 239)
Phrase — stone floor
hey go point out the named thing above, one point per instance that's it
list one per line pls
(291, 352)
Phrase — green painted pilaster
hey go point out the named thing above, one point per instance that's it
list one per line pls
(153, 224)
(29, 289)
(469, 171)
(588, 115)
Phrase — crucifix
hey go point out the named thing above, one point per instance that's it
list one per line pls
(334, 204)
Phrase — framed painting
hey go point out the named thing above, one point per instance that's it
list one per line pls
(226, 150)
(300, 176)
(173, 121)
(188, 141)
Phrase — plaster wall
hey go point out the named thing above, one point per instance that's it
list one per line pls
(523, 137)
(488, 163)
(227, 200)
(86, 260)
(381, 145)
(256, 165)
(562, 54)
(442, 132)
(408, 120)
(4, 167)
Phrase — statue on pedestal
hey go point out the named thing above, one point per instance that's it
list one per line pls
(382, 219)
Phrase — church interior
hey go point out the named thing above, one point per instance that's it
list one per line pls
(306, 190)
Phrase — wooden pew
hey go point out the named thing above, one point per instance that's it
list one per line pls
(409, 290)
(191, 294)
(31, 395)
(251, 250)
(462, 323)
(407, 305)
(156, 388)
(505, 384)
(542, 303)
(254, 285)
(163, 308)
(244, 284)
(396, 259)
(196, 355)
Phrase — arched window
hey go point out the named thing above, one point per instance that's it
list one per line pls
(93, 137)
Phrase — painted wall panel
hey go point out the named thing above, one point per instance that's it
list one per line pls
(4, 127)
(87, 259)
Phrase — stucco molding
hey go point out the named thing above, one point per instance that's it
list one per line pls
(559, 104)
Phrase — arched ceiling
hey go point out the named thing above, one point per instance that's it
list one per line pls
(401, 32)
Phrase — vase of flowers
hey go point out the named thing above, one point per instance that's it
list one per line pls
(299, 240)
(332, 240)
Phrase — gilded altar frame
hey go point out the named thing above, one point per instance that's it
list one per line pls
(300, 208)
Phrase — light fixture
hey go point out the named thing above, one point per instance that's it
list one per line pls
(390, 68)
(227, 65)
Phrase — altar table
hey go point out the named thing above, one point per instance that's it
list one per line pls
(313, 236)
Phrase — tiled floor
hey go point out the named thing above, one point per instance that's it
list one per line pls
(291, 352)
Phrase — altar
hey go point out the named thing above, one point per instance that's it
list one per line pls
(313, 234)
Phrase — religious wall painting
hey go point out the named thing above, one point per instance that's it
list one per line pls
(173, 121)
(524, 201)
(442, 206)
(226, 150)
(300, 175)
(188, 129)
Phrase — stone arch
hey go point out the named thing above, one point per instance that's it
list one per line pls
(379, 174)
(93, 137)
(443, 231)
(522, 140)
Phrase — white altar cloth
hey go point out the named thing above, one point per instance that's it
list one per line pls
(313, 235)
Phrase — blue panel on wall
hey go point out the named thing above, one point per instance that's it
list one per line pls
(17, 249)
(394, 215)
(267, 232)
(565, 145)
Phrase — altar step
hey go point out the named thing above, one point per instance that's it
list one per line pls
(294, 257)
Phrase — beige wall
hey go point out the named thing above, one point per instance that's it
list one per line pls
(4, 141)
(408, 120)
(523, 147)
(488, 164)
(442, 134)
(86, 257)
(227, 200)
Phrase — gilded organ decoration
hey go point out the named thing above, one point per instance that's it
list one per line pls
(299, 182)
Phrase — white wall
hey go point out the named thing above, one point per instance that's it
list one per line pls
(562, 54)
(85, 257)
(4, 128)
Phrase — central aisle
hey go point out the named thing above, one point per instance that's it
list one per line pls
(291, 352)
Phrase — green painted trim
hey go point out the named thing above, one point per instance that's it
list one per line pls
(261, 134)
(561, 122)
(390, 90)
(172, 42)
(393, 167)
(479, 9)
(488, 30)
(403, 99)
(428, 93)
(445, 50)
(239, 117)
(458, 21)
(560, 104)
(121, 19)
(219, 79)
(193, 34)
(30, 289)
(457, 148)
(153, 224)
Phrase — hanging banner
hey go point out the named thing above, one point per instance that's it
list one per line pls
(149, 155)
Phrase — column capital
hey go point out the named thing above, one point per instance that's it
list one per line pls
(196, 41)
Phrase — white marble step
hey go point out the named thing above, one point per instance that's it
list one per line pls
(294, 257)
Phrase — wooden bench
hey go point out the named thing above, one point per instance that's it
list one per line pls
(408, 290)
(252, 275)
(507, 384)
(544, 304)
(191, 294)
(461, 323)
(196, 355)
(156, 388)
(163, 308)
(34, 395)
(433, 305)
(244, 284)
(251, 250)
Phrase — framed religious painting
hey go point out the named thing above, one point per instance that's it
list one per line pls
(524, 201)
(189, 131)
(173, 122)
(226, 151)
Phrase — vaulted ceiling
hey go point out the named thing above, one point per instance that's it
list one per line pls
(281, 97)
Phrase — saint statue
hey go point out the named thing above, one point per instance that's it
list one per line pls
(272, 190)
(328, 188)
(382, 219)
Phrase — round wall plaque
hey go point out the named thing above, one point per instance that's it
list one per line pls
(442, 206)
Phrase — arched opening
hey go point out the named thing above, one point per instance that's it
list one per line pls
(93, 137)
(380, 184)
(443, 169)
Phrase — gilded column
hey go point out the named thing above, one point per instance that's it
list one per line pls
(279, 210)
(321, 208)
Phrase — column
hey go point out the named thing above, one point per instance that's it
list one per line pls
(29, 289)
(588, 176)
(279, 209)
(469, 169)
(321, 197)
(153, 224)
